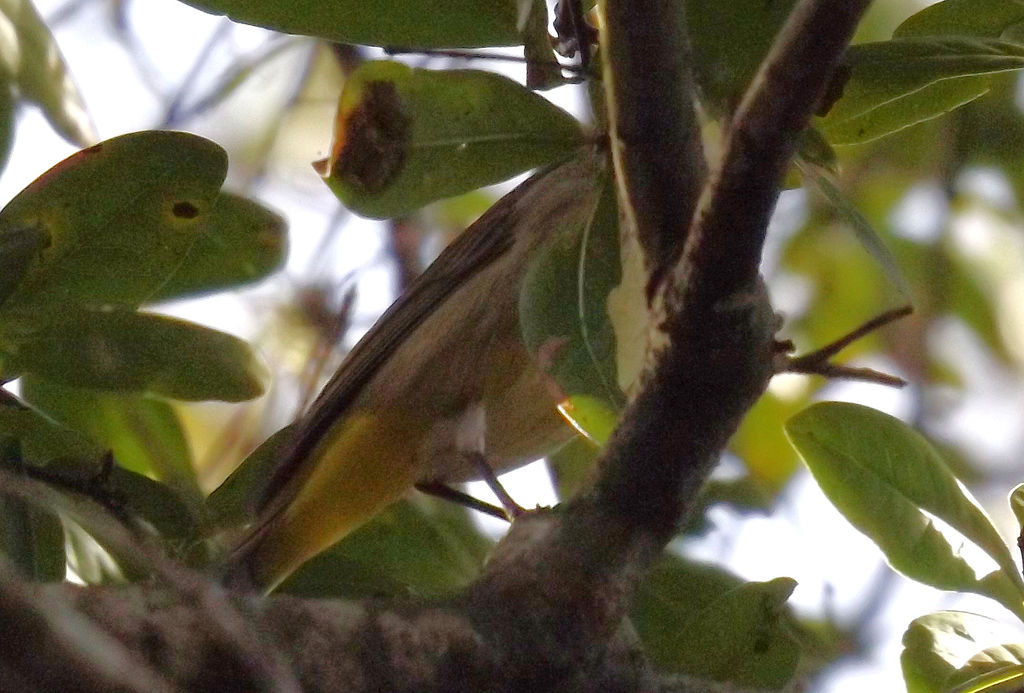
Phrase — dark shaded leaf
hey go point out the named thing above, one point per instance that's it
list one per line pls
(700, 620)
(119, 218)
(143, 433)
(234, 502)
(240, 242)
(563, 310)
(127, 351)
(406, 23)
(422, 548)
(729, 40)
(33, 540)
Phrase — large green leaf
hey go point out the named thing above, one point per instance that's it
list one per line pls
(407, 23)
(898, 83)
(699, 620)
(405, 136)
(962, 652)
(19, 247)
(143, 433)
(119, 218)
(239, 242)
(32, 62)
(889, 482)
(127, 351)
(423, 548)
(963, 17)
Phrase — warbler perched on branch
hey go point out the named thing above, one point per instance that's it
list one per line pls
(442, 376)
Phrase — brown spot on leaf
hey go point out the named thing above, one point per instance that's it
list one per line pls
(185, 210)
(372, 140)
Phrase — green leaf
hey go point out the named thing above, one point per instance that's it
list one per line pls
(564, 318)
(697, 619)
(32, 61)
(405, 136)
(729, 41)
(898, 83)
(126, 351)
(240, 243)
(19, 247)
(143, 433)
(74, 466)
(571, 466)
(865, 233)
(963, 17)
(424, 548)
(235, 500)
(888, 481)
(42, 441)
(406, 23)
(962, 652)
(33, 540)
(119, 218)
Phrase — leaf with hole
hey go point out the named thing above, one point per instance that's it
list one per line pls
(890, 483)
(119, 220)
(240, 242)
(404, 136)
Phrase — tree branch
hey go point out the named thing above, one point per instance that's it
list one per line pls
(653, 126)
(725, 240)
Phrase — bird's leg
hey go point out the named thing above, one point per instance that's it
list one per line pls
(446, 492)
(512, 509)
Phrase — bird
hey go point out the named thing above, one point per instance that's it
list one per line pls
(442, 380)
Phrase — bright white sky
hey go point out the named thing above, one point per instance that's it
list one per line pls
(840, 572)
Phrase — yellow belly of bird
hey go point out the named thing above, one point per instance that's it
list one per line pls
(366, 465)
